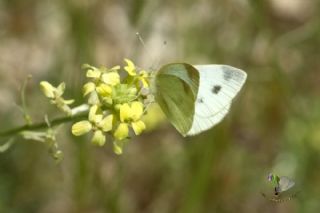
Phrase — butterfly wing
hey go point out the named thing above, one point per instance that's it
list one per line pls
(218, 85)
(285, 183)
(176, 88)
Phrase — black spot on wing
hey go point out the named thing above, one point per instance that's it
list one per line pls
(216, 89)
(200, 100)
(232, 73)
(227, 74)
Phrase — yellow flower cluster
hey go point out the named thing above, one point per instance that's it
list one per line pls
(116, 104)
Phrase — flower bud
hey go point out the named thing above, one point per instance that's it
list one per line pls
(117, 148)
(121, 132)
(81, 127)
(93, 73)
(60, 89)
(138, 127)
(47, 89)
(130, 68)
(106, 123)
(98, 138)
(107, 101)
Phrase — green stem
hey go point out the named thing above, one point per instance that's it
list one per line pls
(23, 102)
(11, 132)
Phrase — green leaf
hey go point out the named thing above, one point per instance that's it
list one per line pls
(176, 92)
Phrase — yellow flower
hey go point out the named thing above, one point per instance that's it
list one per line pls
(47, 89)
(138, 127)
(92, 72)
(93, 116)
(98, 138)
(103, 79)
(116, 105)
(125, 112)
(130, 114)
(144, 78)
(111, 78)
(104, 90)
(51, 91)
(121, 132)
(115, 68)
(93, 98)
(101, 125)
(136, 110)
(107, 101)
(130, 68)
(96, 123)
(88, 88)
(106, 123)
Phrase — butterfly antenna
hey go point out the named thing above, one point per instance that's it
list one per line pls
(143, 44)
(140, 39)
(145, 49)
(161, 50)
(154, 63)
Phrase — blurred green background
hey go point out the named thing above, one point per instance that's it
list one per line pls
(273, 126)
